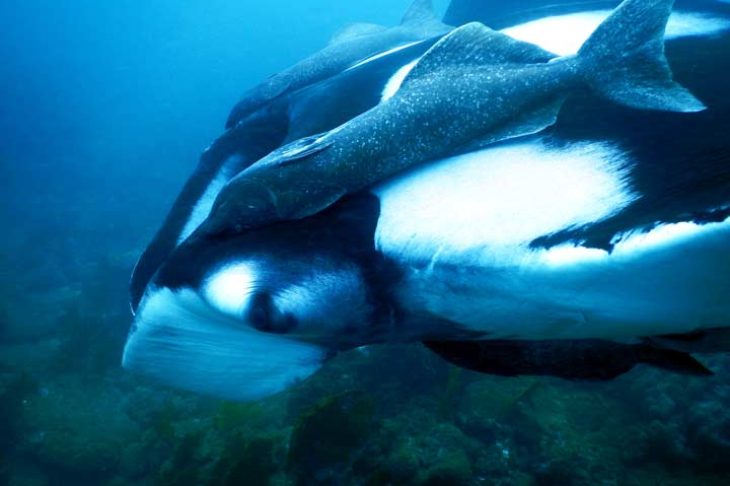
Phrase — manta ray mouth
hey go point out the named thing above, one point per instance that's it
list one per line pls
(181, 341)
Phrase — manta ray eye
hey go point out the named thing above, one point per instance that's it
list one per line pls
(240, 290)
(231, 288)
(264, 316)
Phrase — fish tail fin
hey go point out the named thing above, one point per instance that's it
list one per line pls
(624, 59)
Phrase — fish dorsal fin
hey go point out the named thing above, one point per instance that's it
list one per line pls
(420, 11)
(355, 31)
(477, 45)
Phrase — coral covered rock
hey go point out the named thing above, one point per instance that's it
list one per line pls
(74, 429)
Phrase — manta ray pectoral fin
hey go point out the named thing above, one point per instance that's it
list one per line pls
(355, 31)
(476, 44)
(527, 123)
(671, 360)
(274, 86)
(589, 359)
(715, 340)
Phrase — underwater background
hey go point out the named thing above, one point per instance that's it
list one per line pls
(106, 107)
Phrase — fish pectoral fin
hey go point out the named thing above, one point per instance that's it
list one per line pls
(474, 44)
(309, 198)
(298, 150)
(528, 123)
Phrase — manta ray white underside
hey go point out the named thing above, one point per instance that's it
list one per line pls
(468, 257)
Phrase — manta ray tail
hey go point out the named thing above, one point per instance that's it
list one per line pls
(624, 59)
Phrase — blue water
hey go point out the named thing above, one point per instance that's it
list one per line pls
(106, 102)
(105, 108)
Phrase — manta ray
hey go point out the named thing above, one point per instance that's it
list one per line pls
(579, 251)
(474, 87)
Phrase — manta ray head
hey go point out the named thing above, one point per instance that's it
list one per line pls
(244, 316)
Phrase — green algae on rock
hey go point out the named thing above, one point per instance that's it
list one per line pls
(326, 438)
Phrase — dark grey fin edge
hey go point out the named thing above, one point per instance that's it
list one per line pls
(624, 60)
(713, 340)
(420, 11)
(587, 359)
(672, 360)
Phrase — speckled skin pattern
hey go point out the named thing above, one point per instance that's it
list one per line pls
(473, 87)
(333, 59)
(442, 106)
